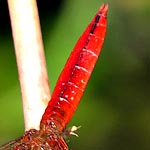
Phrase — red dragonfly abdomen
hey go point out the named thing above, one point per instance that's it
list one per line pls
(76, 73)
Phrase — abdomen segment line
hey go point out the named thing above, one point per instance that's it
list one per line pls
(82, 68)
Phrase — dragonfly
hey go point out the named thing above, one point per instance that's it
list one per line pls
(68, 90)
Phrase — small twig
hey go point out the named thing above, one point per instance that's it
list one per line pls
(30, 60)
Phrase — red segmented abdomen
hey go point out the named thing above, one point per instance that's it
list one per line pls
(76, 73)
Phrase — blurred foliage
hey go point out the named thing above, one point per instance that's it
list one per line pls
(115, 110)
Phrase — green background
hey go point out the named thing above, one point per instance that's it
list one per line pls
(115, 110)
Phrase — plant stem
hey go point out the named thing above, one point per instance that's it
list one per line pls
(30, 60)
